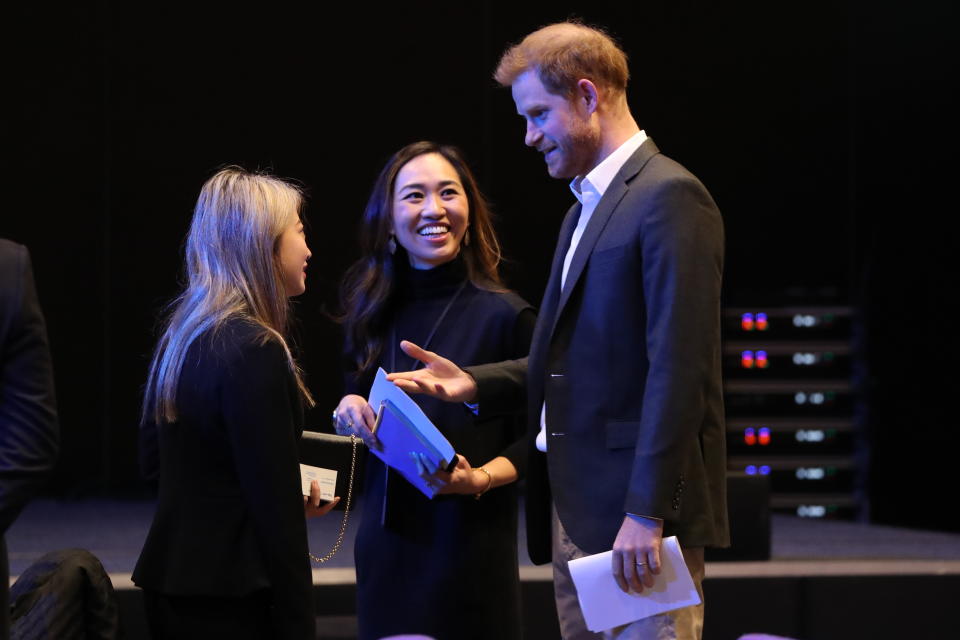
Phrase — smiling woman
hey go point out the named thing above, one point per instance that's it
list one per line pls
(370, 282)
(430, 212)
(429, 273)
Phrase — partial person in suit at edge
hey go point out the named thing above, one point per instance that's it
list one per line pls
(29, 431)
(623, 379)
(227, 552)
(429, 270)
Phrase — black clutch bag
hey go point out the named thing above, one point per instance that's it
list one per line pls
(343, 454)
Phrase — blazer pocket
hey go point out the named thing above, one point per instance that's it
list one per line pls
(608, 255)
(622, 434)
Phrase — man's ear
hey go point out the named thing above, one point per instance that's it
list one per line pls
(587, 95)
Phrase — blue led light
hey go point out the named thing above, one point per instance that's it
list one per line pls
(765, 470)
(751, 470)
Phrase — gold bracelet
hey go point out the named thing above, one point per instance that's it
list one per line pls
(489, 483)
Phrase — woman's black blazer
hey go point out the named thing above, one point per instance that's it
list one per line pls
(230, 517)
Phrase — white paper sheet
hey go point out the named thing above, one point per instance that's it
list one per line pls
(396, 445)
(605, 606)
(326, 478)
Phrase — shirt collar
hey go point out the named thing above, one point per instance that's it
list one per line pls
(602, 175)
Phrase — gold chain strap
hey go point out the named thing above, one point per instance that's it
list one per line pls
(346, 511)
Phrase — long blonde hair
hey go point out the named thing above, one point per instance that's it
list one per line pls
(232, 270)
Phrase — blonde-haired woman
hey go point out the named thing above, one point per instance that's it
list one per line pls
(227, 554)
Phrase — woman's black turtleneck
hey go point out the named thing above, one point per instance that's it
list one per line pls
(438, 282)
(430, 544)
(421, 297)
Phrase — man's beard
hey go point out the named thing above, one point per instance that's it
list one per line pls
(581, 150)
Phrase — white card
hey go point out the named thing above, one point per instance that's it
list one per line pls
(326, 478)
(605, 606)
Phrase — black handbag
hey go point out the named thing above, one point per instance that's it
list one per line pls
(345, 455)
(341, 454)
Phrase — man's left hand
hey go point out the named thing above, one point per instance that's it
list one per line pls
(636, 553)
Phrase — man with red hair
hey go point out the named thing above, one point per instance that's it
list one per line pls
(623, 379)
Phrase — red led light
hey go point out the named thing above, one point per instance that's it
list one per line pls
(764, 438)
(746, 359)
(746, 322)
(750, 437)
(762, 322)
(762, 362)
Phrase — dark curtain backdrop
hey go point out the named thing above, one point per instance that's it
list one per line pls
(820, 128)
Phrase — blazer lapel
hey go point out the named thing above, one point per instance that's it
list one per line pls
(552, 294)
(548, 306)
(601, 215)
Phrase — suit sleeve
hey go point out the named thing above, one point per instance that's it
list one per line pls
(257, 396)
(501, 386)
(682, 248)
(29, 431)
(516, 452)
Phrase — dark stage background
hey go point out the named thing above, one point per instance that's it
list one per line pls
(821, 129)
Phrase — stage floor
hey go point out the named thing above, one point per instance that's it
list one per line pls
(114, 531)
(826, 580)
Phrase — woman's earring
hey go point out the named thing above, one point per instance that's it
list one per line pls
(466, 238)
(392, 244)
